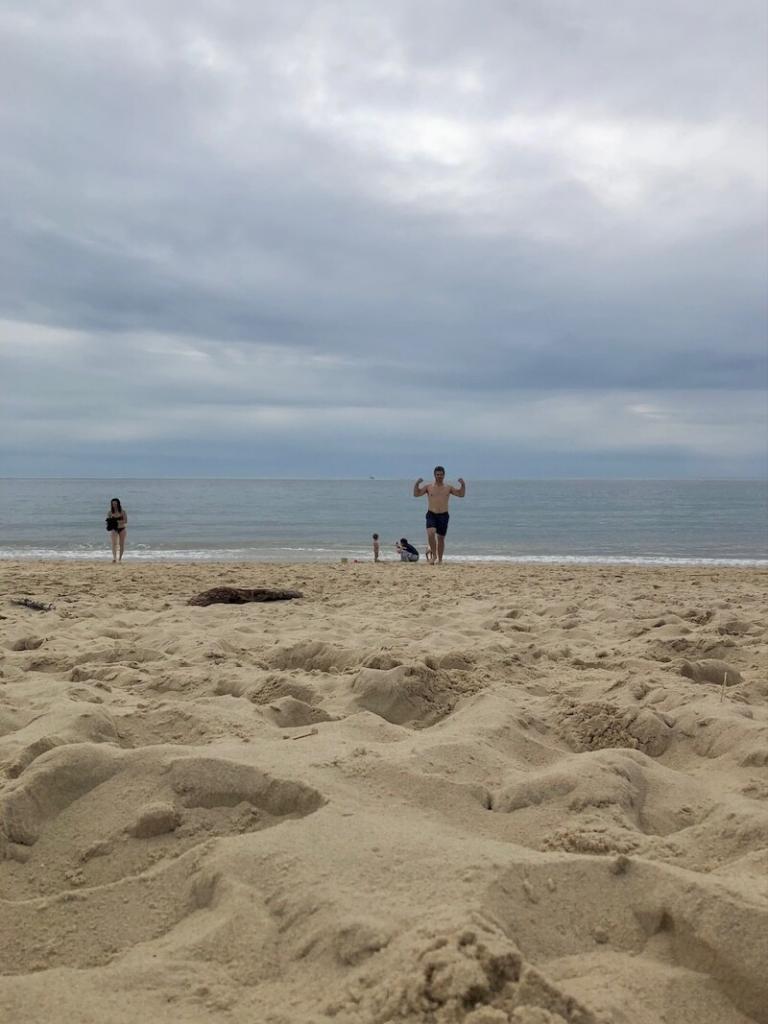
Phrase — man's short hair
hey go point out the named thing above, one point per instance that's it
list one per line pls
(375, 536)
(439, 469)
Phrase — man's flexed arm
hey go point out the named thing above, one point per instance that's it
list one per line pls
(459, 492)
(418, 490)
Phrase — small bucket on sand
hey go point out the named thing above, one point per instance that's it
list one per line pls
(344, 561)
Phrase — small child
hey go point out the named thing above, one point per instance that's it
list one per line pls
(376, 547)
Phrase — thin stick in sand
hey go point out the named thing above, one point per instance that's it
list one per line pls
(302, 735)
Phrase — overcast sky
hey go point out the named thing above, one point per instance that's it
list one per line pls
(519, 237)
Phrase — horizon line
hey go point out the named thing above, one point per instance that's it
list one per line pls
(398, 479)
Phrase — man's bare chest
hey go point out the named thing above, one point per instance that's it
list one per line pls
(438, 495)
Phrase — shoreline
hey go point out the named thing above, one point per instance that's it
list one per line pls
(542, 561)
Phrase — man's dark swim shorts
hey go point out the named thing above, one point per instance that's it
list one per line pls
(438, 521)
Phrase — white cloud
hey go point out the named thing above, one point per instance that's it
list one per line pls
(151, 387)
(535, 225)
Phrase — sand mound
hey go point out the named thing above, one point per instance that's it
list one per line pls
(312, 655)
(72, 723)
(80, 810)
(380, 660)
(57, 779)
(446, 973)
(36, 933)
(736, 627)
(459, 660)
(276, 686)
(26, 643)
(607, 788)
(711, 671)
(658, 914)
(209, 782)
(288, 711)
(597, 780)
(597, 725)
(725, 731)
(406, 695)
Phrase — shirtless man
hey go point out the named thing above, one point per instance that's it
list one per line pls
(437, 515)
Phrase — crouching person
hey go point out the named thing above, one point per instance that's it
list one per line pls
(408, 552)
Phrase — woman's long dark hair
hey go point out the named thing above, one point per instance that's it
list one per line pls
(115, 501)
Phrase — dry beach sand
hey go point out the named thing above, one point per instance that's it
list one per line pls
(468, 793)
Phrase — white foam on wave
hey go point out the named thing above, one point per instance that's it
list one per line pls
(611, 560)
(321, 554)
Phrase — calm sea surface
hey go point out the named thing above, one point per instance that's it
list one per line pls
(639, 521)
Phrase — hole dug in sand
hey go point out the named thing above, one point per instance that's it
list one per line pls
(87, 815)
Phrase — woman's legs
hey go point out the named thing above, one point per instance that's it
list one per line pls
(113, 538)
(123, 534)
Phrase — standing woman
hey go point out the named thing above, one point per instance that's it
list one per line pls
(117, 524)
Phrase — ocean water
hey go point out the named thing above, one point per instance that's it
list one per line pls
(635, 521)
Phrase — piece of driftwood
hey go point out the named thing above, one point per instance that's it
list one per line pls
(242, 595)
(36, 606)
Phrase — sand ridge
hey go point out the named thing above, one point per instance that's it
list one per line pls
(481, 794)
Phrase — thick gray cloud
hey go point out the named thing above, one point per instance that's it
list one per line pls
(294, 238)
